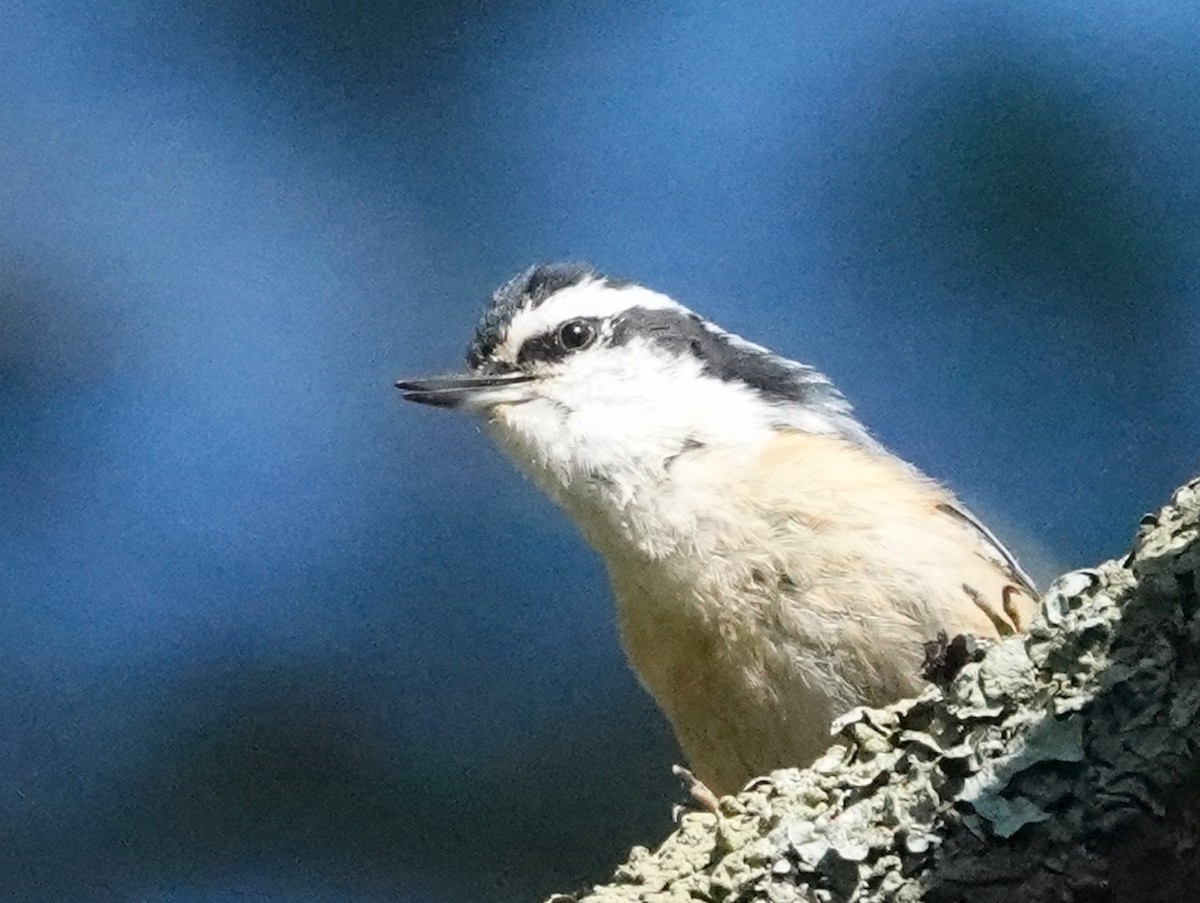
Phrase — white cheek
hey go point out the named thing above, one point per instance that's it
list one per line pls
(620, 414)
(655, 401)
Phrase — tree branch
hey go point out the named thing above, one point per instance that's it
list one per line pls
(1061, 765)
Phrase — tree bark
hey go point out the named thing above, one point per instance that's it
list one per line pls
(1060, 765)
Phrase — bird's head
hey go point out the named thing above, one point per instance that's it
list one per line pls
(585, 375)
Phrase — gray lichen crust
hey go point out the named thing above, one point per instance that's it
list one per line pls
(1060, 766)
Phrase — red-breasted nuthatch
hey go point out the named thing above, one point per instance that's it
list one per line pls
(773, 565)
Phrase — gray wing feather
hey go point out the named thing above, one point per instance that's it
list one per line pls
(1002, 555)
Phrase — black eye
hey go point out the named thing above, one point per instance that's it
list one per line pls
(576, 334)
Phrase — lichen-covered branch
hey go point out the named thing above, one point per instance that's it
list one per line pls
(1061, 765)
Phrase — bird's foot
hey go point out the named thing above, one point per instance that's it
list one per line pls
(702, 798)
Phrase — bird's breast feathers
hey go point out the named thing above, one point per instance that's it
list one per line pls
(761, 594)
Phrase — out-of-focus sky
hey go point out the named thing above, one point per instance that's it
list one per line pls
(265, 633)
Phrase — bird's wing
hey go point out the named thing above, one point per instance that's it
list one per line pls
(993, 548)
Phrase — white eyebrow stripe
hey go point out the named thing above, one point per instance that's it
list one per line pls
(590, 298)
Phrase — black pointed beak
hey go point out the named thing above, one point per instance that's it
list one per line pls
(458, 390)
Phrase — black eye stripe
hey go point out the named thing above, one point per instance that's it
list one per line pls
(542, 347)
(559, 342)
(722, 356)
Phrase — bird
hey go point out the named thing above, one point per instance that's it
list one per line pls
(773, 566)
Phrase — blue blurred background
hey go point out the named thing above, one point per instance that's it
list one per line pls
(265, 633)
